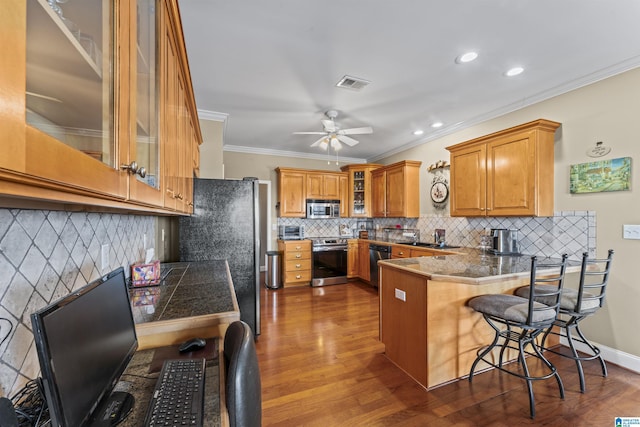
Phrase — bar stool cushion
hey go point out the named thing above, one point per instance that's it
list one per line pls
(510, 307)
(568, 298)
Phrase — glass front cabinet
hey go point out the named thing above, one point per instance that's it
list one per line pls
(82, 112)
(360, 189)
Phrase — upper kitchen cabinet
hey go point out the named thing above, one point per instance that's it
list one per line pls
(359, 189)
(507, 173)
(292, 185)
(81, 116)
(323, 185)
(396, 190)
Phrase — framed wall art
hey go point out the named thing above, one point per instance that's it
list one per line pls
(600, 176)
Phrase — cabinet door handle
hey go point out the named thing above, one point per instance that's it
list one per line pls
(298, 255)
(134, 169)
(298, 266)
(298, 276)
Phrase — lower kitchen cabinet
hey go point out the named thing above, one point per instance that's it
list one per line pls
(296, 262)
(363, 260)
(353, 266)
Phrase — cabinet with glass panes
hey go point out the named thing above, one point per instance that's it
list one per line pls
(83, 114)
(360, 188)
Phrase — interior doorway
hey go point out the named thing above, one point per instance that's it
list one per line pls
(266, 237)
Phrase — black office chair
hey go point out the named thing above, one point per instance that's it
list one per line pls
(520, 321)
(577, 304)
(243, 387)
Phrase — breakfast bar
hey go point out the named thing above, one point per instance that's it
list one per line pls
(426, 327)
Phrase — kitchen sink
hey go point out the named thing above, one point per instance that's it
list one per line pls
(428, 245)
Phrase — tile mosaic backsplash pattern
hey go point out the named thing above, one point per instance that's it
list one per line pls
(45, 255)
(571, 232)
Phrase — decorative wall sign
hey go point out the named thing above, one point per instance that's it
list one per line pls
(604, 175)
(439, 190)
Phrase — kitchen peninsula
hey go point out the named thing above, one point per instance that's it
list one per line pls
(426, 327)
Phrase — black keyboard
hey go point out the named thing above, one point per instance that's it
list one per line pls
(178, 399)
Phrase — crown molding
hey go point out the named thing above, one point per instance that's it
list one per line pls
(212, 115)
(566, 87)
(282, 153)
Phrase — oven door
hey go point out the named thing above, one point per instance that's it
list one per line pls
(329, 265)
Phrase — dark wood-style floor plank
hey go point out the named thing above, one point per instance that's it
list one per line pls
(322, 365)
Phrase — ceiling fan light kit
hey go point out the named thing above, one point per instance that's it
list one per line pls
(333, 136)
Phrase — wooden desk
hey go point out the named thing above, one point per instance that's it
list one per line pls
(195, 299)
(142, 373)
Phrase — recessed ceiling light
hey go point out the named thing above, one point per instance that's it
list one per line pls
(466, 57)
(418, 132)
(436, 125)
(514, 71)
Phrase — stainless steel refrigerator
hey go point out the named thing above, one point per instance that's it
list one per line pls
(226, 225)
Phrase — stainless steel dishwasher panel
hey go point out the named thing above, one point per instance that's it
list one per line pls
(376, 253)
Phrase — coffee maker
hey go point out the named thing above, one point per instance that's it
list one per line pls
(505, 241)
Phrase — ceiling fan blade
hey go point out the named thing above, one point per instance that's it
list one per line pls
(318, 142)
(309, 133)
(356, 131)
(347, 140)
(329, 125)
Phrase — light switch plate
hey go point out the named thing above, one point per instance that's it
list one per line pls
(401, 295)
(630, 231)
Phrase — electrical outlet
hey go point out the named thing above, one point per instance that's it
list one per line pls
(630, 231)
(401, 295)
(104, 257)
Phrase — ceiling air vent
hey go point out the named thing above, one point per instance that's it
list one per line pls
(354, 83)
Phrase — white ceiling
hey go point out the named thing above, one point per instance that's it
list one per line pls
(271, 66)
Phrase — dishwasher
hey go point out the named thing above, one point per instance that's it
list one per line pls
(376, 253)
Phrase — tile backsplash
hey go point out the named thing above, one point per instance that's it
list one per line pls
(45, 255)
(571, 232)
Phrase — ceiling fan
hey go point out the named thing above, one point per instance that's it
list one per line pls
(333, 136)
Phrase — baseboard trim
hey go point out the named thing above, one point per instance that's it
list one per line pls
(617, 357)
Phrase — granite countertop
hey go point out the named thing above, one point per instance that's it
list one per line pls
(140, 381)
(188, 289)
(471, 266)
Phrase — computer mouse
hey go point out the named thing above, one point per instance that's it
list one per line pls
(192, 345)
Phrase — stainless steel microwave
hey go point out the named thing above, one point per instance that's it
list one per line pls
(291, 232)
(318, 209)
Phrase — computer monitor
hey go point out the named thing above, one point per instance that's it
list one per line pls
(85, 341)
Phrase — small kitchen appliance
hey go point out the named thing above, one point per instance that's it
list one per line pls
(505, 241)
(323, 209)
(291, 232)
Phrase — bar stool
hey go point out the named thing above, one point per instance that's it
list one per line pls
(529, 318)
(577, 304)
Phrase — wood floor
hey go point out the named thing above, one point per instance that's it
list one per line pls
(322, 365)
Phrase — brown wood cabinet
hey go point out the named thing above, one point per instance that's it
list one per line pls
(55, 155)
(353, 267)
(363, 260)
(396, 190)
(295, 186)
(359, 189)
(507, 173)
(323, 185)
(296, 262)
(400, 251)
(292, 194)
